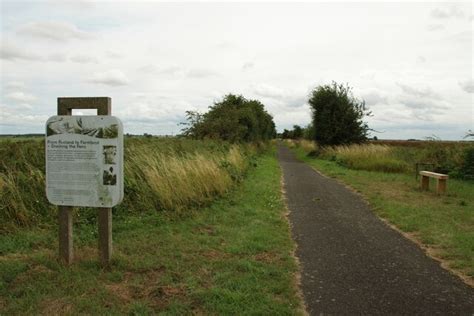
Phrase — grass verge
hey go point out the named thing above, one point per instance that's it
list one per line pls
(443, 224)
(233, 257)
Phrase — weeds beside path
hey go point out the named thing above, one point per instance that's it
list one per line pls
(233, 257)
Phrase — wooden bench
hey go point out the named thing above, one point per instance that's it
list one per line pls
(441, 184)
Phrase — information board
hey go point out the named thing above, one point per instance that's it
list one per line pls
(84, 160)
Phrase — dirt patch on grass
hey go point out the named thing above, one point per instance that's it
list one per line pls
(161, 296)
(32, 274)
(86, 254)
(267, 257)
(147, 286)
(213, 254)
(122, 289)
(208, 230)
(55, 307)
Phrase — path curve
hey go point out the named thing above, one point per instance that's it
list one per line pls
(353, 263)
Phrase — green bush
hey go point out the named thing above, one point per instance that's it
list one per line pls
(467, 169)
(234, 119)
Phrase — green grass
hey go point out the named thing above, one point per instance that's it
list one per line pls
(443, 223)
(232, 257)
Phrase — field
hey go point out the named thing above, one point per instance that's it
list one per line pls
(383, 174)
(221, 247)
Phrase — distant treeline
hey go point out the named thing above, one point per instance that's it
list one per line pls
(22, 135)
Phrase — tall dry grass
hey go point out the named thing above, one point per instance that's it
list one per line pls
(180, 181)
(366, 157)
(307, 145)
(445, 157)
(160, 174)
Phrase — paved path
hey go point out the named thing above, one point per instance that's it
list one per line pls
(355, 264)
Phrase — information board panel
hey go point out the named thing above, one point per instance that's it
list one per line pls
(84, 160)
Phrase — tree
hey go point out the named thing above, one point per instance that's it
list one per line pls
(297, 132)
(337, 115)
(286, 134)
(233, 119)
(308, 131)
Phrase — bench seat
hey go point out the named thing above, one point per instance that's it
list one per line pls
(441, 181)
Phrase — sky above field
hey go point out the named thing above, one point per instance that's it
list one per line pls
(412, 63)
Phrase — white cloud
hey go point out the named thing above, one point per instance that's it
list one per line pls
(444, 13)
(25, 106)
(225, 45)
(465, 36)
(57, 57)
(152, 109)
(247, 66)
(367, 74)
(200, 73)
(113, 77)
(9, 51)
(113, 54)
(467, 86)
(420, 60)
(153, 69)
(19, 96)
(422, 103)
(417, 91)
(284, 97)
(15, 85)
(57, 31)
(266, 90)
(83, 59)
(435, 27)
(18, 116)
(374, 97)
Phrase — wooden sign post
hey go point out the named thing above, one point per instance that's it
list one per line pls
(84, 167)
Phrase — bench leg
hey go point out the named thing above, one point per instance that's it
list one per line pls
(441, 188)
(425, 183)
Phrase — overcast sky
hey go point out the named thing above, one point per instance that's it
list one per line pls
(411, 62)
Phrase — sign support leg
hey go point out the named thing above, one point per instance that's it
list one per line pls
(105, 235)
(104, 107)
(66, 253)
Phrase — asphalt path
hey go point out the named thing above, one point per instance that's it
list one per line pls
(352, 262)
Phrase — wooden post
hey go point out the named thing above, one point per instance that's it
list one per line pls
(104, 107)
(425, 182)
(105, 235)
(441, 187)
(66, 253)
